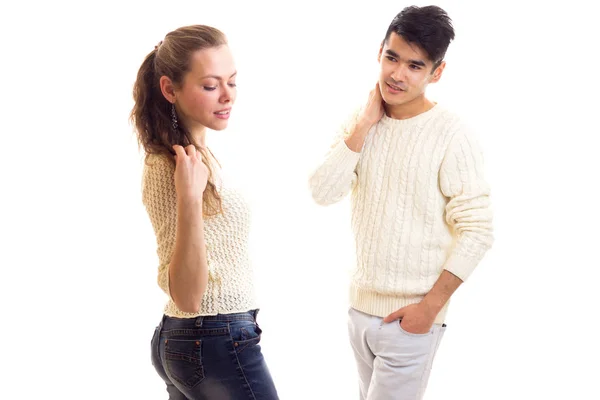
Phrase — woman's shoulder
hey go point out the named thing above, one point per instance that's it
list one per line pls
(157, 176)
(158, 161)
(157, 166)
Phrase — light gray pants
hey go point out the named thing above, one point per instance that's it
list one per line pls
(392, 364)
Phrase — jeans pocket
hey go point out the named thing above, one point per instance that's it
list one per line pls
(405, 332)
(183, 361)
(245, 336)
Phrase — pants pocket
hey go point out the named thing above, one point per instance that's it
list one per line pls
(183, 361)
(405, 332)
(245, 336)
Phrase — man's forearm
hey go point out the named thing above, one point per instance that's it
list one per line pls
(441, 291)
(356, 140)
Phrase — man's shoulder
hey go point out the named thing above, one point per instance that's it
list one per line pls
(448, 116)
(452, 121)
(458, 128)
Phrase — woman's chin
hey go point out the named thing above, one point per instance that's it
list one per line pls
(218, 125)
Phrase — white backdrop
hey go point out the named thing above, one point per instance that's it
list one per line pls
(78, 289)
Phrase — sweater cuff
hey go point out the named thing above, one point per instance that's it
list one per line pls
(460, 266)
(343, 158)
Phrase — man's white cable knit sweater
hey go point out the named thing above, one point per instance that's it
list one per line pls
(420, 204)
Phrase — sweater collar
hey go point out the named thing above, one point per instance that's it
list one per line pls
(416, 120)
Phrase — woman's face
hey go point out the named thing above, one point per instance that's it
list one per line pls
(208, 91)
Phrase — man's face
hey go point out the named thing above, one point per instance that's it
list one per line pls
(406, 70)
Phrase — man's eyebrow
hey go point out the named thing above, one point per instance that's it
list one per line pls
(392, 53)
(417, 62)
(396, 55)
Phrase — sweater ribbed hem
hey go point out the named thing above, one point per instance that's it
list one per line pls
(381, 305)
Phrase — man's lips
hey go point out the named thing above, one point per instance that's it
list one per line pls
(397, 88)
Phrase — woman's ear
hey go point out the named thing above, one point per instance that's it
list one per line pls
(167, 89)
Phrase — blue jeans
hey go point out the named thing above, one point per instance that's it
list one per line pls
(212, 357)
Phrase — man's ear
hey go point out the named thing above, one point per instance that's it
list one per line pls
(437, 74)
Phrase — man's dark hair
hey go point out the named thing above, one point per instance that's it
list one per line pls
(428, 27)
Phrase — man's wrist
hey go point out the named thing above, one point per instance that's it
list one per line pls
(364, 124)
(432, 305)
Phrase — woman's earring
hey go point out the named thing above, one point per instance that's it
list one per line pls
(174, 117)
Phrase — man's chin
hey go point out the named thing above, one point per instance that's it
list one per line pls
(391, 101)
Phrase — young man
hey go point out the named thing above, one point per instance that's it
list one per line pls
(420, 208)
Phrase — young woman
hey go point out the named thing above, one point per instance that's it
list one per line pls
(206, 345)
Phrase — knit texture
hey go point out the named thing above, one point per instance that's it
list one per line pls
(419, 205)
(230, 276)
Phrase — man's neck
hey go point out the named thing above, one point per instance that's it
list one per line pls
(408, 110)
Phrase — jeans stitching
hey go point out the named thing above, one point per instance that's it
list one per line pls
(173, 333)
(171, 355)
(237, 359)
